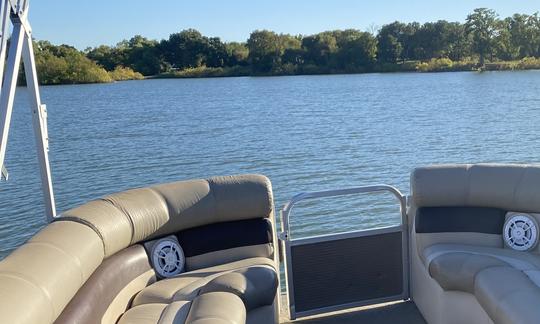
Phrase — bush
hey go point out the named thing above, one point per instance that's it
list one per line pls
(529, 63)
(313, 69)
(64, 64)
(121, 73)
(206, 72)
(444, 65)
(435, 65)
(407, 66)
(500, 66)
(51, 69)
(526, 63)
(285, 69)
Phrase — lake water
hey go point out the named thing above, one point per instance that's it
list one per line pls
(304, 132)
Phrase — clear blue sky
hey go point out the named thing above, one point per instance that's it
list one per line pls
(85, 23)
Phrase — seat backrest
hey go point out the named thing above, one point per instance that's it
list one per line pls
(506, 186)
(218, 220)
(468, 203)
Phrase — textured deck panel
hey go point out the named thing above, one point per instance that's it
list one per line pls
(347, 270)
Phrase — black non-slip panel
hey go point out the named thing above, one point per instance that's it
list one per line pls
(345, 271)
(460, 219)
(226, 235)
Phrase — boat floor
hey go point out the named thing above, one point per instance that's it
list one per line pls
(397, 312)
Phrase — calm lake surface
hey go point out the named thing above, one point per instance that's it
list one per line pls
(304, 132)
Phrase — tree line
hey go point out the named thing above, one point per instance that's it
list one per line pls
(483, 38)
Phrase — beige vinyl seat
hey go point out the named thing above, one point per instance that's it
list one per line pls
(462, 271)
(253, 280)
(247, 280)
(215, 308)
(92, 265)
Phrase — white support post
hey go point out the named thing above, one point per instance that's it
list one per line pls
(39, 115)
(4, 15)
(21, 45)
(7, 94)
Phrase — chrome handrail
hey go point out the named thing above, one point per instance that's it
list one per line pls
(285, 239)
(287, 208)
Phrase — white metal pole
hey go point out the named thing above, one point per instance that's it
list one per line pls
(7, 94)
(40, 125)
(5, 10)
(21, 45)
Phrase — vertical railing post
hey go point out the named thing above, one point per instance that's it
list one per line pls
(7, 94)
(21, 46)
(40, 126)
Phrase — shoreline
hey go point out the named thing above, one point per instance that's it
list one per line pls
(433, 66)
(204, 74)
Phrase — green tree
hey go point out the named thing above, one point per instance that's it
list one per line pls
(185, 49)
(291, 50)
(524, 33)
(143, 55)
(264, 50)
(406, 37)
(65, 64)
(459, 42)
(482, 25)
(503, 44)
(295, 56)
(432, 40)
(105, 56)
(320, 48)
(216, 53)
(390, 48)
(356, 49)
(237, 53)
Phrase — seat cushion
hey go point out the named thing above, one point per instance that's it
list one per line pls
(256, 285)
(519, 260)
(457, 270)
(213, 307)
(508, 295)
(506, 283)
(143, 314)
(188, 285)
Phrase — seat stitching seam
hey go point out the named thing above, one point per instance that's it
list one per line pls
(211, 186)
(468, 189)
(87, 223)
(163, 312)
(167, 209)
(522, 175)
(123, 212)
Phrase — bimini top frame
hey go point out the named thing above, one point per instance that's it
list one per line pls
(21, 46)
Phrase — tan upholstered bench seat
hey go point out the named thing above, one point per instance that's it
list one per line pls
(187, 286)
(94, 263)
(505, 282)
(508, 295)
(213, 307)
(227, 293)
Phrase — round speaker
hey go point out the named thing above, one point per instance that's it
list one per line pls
(168, 257)
(521, 232)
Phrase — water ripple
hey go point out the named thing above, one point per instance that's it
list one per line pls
(304, 132)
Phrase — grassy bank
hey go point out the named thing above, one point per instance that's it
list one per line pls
(447, 65)
(434, 65)
(206, 72)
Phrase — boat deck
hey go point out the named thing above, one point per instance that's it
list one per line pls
(397, 312)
